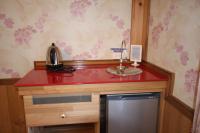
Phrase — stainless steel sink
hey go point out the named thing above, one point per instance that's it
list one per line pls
(124, 70)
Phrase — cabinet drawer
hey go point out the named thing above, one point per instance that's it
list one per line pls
(61, 109)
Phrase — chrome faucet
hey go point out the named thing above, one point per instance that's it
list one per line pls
(123, 47)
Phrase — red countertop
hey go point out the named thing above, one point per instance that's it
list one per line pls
(94, 75)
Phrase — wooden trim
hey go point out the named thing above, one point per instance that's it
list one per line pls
(79, 63)
(139, 24)
(186, 110)
(10, 81)
(91, 88)
(161, 112)
(183, 108)
(170, 75)
(175, 121)
(145, 32)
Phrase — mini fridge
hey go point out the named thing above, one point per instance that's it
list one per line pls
(131, 113)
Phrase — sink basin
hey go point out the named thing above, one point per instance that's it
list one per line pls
(124, 71)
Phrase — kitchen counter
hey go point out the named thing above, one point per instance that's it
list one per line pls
(88, 80)
(94, 81)
(94, 75)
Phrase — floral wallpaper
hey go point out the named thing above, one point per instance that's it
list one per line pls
(87, 29)
(82, 29)
(174, 43)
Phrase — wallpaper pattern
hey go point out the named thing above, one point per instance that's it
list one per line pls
(87, 29)
(174, 43)
(82, 29)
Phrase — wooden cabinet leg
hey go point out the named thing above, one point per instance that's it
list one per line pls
(161, 113)
(97, 127)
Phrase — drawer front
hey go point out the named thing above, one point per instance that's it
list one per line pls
(46, 113)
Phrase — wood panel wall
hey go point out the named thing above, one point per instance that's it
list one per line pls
(11, 108)
(5, 122)
(175, 120)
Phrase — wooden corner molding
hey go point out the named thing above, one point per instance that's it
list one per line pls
(140, 24)
(9, 81)
(182, 107)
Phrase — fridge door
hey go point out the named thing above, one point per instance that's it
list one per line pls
(132, 113)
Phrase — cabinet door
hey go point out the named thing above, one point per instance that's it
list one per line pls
(130, 113)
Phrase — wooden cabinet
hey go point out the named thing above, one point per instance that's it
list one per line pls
(96, 82)
(43, 113)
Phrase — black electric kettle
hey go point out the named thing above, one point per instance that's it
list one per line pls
(54, 60)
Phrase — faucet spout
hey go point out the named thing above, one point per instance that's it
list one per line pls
(123, 47)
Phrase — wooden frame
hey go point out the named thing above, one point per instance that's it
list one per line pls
(136, 54)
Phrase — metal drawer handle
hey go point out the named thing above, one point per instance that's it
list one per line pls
(63, 116)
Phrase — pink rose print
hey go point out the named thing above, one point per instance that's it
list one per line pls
(8, 22)
(156, 34)
(126, 35)
(24, 35)
(9, 72)
(95, 2)
(120, 25)
(151, 20)
(113, 18)
(190, 80)
(119, 22)
(162, 25)
(96, 49)
(93, 53)
(169, 14)
(40, 22)
(79, 7)
(197, 3)
(67, 49)
(184, 58)
(2, 16)
(179, 48)
(82, 56)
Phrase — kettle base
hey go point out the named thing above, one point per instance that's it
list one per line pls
(60, 68)
(54, 67)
